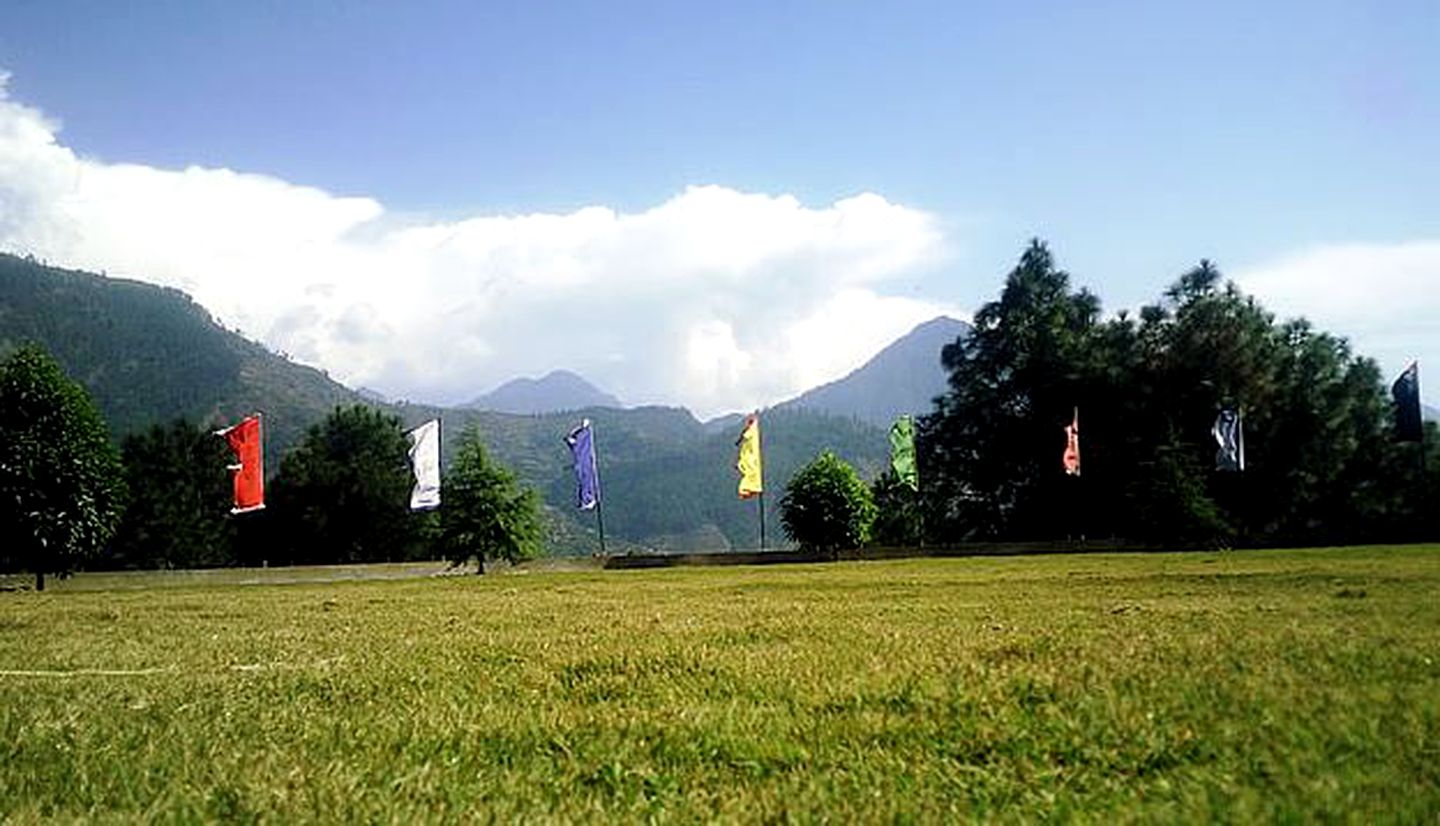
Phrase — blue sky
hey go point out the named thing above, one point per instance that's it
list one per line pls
(1283, 140)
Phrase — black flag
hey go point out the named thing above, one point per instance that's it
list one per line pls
(1406, 392)
(1229, 432)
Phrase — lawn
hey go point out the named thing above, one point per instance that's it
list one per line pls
(1273, 685)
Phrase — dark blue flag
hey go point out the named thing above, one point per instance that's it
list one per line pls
(1406, 392)
(587, 476)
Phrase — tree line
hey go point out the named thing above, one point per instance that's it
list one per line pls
(70, 499)
(1324, 464)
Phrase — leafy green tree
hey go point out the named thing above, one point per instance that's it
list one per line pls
(827, 507)
(180, 497)
(484, 512)
(62, 489)
(1167, 502)
(343, 495)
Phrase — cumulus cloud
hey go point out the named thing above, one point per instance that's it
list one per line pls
(717, 299)
(1385, 298)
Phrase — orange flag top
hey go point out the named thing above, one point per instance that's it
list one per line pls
(748, 462)
(246, 443)
(1071, 459)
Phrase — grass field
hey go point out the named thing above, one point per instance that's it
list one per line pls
(1279, 685)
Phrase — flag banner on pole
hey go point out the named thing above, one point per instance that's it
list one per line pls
(1406, 392)
(748, 461)
(1071, 458)
(425, 464)
(246, 442)
(587, 474)
(1229, 433)
(902, 452)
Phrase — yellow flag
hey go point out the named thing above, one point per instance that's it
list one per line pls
(748, 462)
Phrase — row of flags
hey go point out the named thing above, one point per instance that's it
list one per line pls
(246, 442)
(1228, 432)
(748, 463)
(1229, 427)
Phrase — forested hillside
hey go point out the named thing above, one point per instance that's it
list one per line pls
(668, 480)
(903, 378)
(150, 355)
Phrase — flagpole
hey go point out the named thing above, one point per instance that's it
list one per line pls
(761, 498)
(919, 516)
(1080, 493)
(599, 508)
(600, 523)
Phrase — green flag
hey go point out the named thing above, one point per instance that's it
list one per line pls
(902, 452)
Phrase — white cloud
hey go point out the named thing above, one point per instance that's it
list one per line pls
(716, 299)
(1385, 298)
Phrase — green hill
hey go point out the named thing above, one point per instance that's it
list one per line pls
(150, 354)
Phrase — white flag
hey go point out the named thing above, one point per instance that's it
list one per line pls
(425, 462)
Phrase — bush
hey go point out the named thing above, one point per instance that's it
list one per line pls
(826, 507)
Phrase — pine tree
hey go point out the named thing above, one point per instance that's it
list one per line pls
(343, 495)
(994, 442)
(484, 512)
(180, 497)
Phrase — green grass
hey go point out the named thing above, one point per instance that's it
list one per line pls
(1284, 685)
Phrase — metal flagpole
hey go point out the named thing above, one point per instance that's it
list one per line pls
(761, 499)
(600, 522)
(919, 510)
(599, 507)
(599, 495)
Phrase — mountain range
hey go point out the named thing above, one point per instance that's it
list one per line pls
(150, 354)
(905, 377)
(556, 391)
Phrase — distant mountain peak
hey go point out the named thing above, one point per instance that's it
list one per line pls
(553, 392)
(905, 377)
(372, 395)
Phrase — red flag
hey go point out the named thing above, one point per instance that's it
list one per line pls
(1071, 459)
(249, 471)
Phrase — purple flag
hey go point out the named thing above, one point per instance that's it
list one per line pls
(587, 476)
